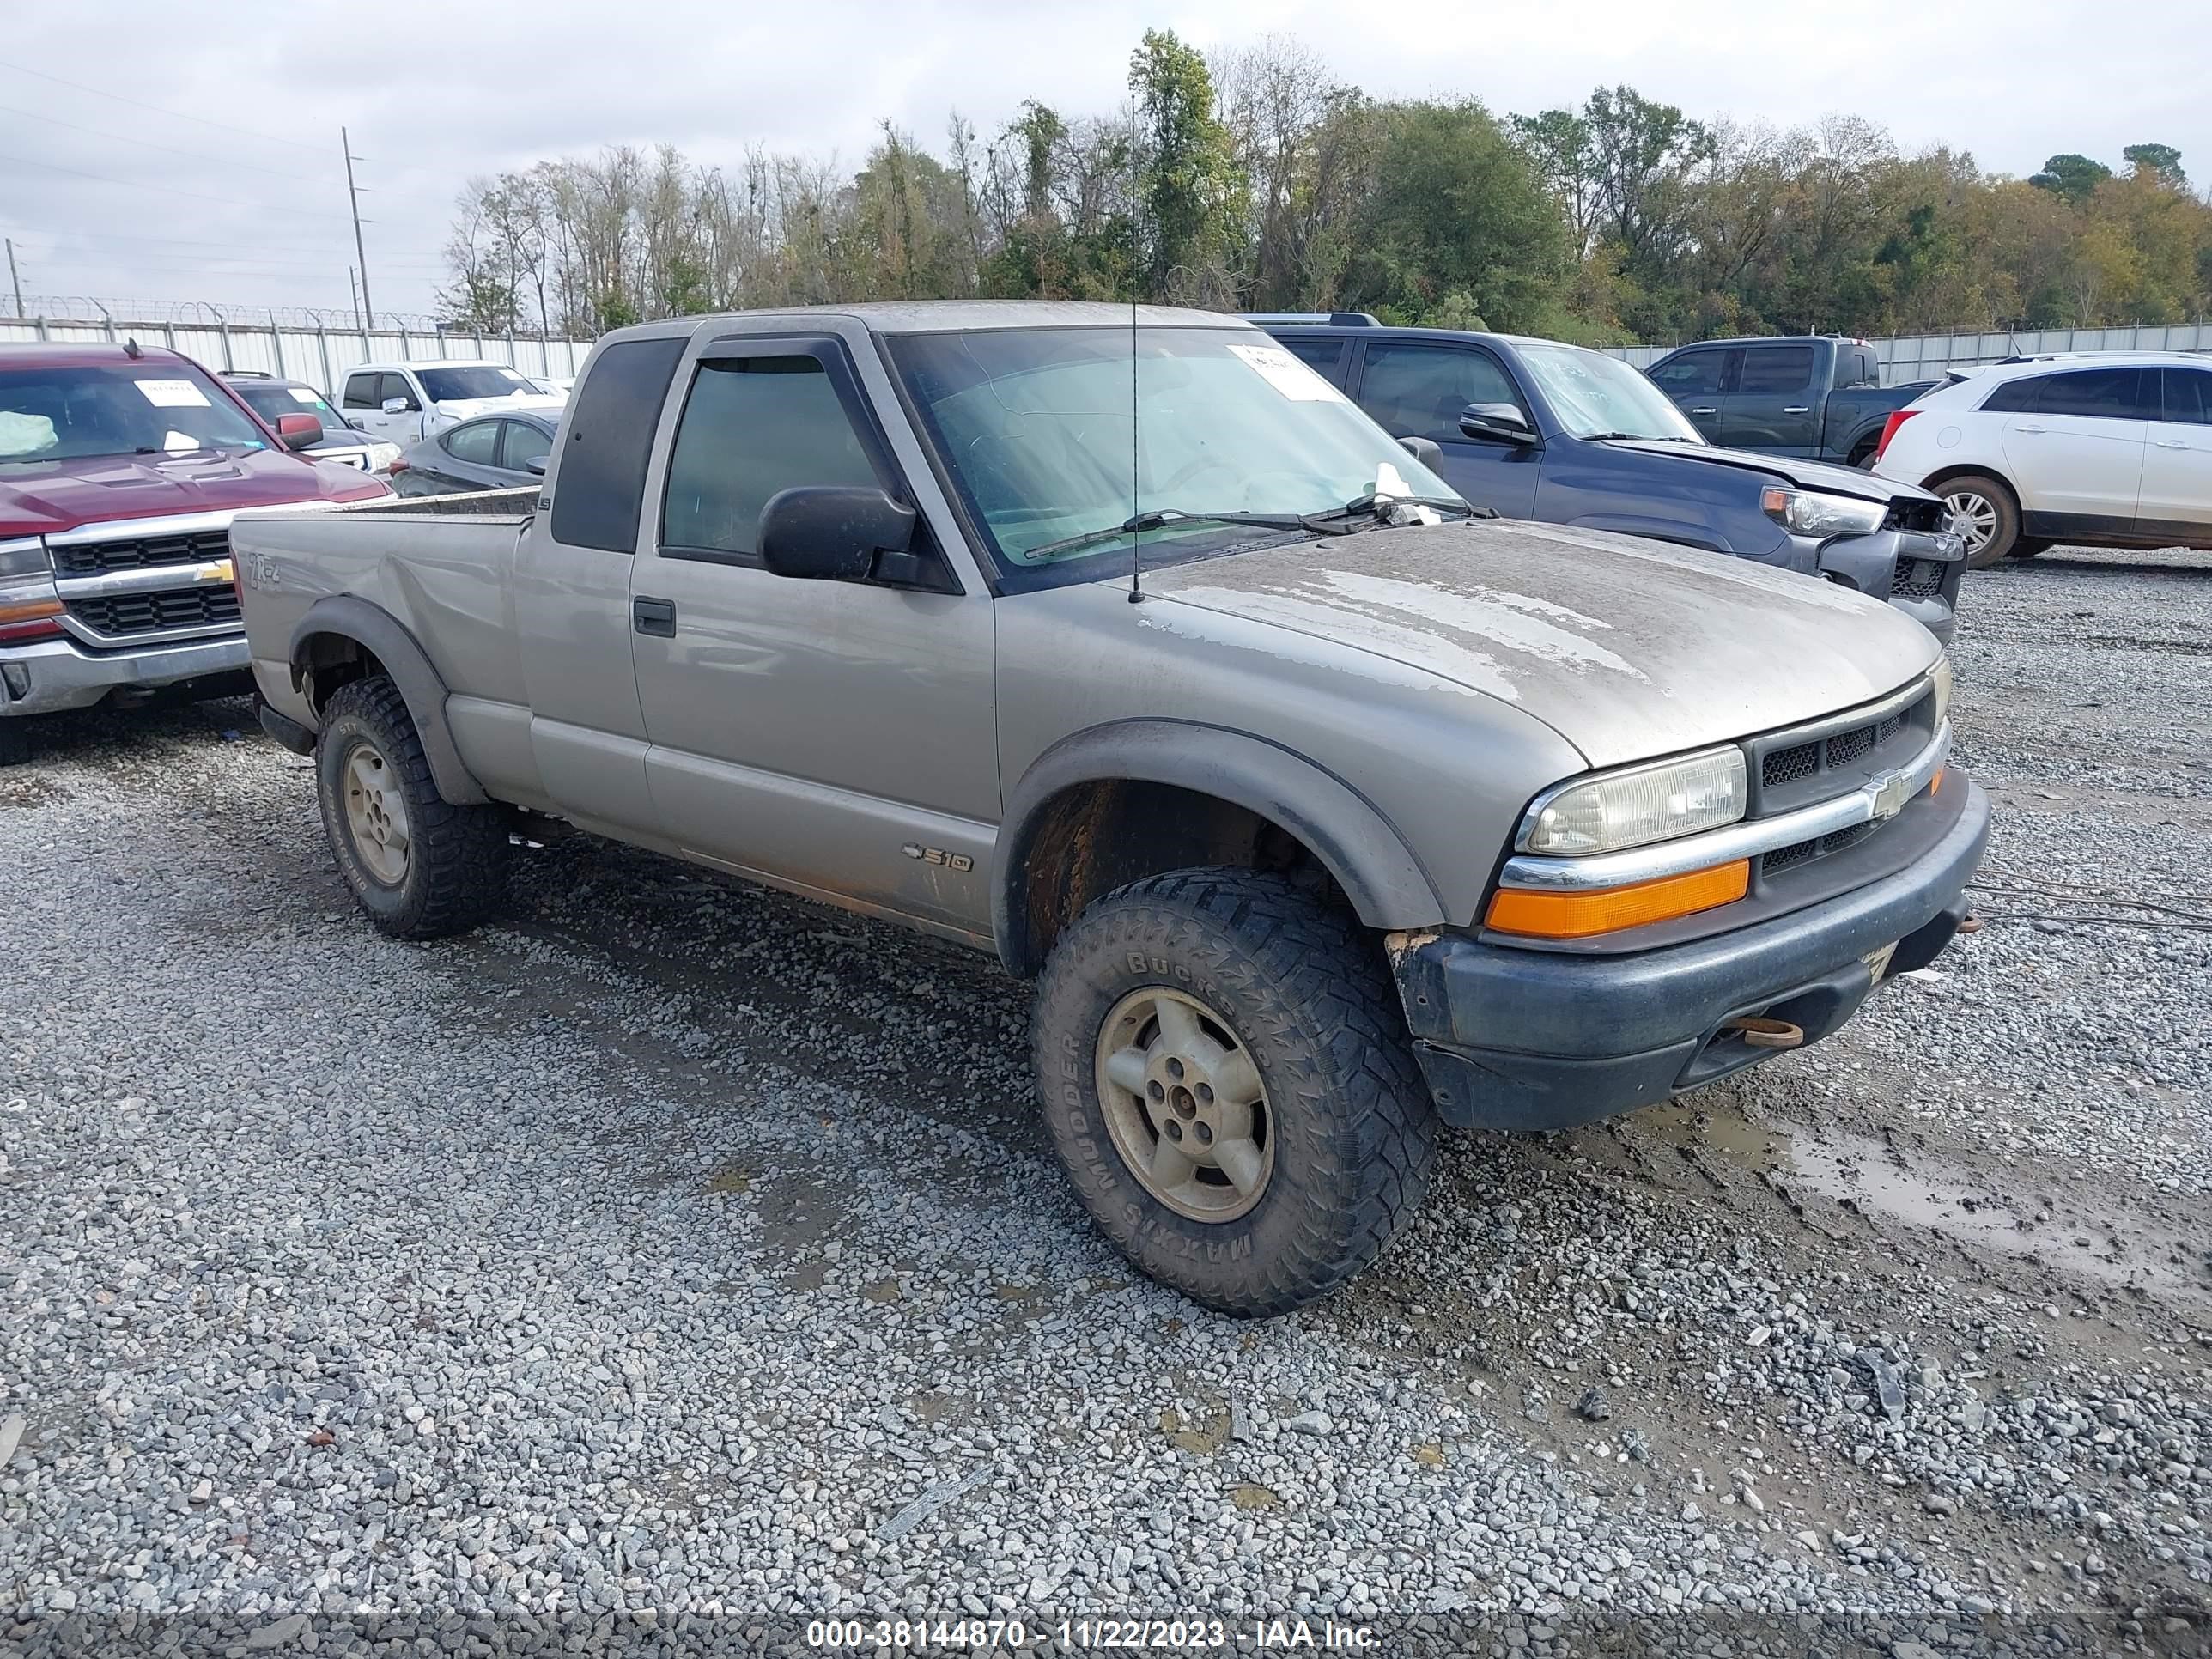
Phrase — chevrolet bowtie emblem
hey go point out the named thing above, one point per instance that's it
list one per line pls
(1890, 796)
(216, 570)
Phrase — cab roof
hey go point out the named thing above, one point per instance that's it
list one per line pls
(83, 354)
(938, 316)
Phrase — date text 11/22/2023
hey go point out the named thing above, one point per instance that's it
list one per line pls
(1101, 1634)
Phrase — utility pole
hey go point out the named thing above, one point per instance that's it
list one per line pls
(352, 287)
(353, 197)
(13, 277)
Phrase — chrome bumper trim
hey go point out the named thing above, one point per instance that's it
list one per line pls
(1883, 797)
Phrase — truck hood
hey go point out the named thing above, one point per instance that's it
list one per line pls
(467, 408)
(1628, 648)
(46, 497)
(1790, 469)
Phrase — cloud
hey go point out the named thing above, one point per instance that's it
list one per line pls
(254, 212)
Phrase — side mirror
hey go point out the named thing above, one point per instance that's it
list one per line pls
(1497, 424)
(298, 431)
(1427, 451)
(831, 532)
(395, 405)
(535, 464)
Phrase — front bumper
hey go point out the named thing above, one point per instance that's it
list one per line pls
(53, 675)
(1513, 1038)
(1876, 565)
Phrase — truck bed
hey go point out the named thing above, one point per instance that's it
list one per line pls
(440, 564)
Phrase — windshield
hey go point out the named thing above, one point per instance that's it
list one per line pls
(124, 408)
(1593, 396)
(1034, 425)
(447, 385)
(270, 398)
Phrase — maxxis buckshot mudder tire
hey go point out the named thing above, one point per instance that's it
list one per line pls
(1227, 1078)
(421, 866)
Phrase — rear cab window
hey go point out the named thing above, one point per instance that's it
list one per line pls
(608, 443)
(1768, 370)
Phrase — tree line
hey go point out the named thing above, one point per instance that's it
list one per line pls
(1251, 180)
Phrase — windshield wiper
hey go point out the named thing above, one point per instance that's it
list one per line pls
(1639, 437)
(1373, 507)
(1158, 518)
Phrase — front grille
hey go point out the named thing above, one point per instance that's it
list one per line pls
(1919, 579)
(1800, 760)
(140, 553)
(1803, 852)
(120, 615)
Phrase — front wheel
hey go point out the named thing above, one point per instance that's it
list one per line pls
(1227, 1078)
(1984, 511)
(421, 866)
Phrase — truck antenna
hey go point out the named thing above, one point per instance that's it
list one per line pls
(130, 348)
(1136, 402)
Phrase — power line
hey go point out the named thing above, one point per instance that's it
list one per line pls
(189, 154)
(174, 114)
(184, 241)
(165, 190)
(179, 115)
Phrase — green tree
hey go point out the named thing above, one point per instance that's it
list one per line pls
(1458, 224)
(2074, 177)
(1189, 184)
(2162, 160)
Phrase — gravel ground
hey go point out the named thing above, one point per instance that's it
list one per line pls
(678, 1258)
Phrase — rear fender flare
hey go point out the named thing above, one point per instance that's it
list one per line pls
(1342, 828)
(376, 631)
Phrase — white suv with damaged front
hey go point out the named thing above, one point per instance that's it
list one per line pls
(1323, 809)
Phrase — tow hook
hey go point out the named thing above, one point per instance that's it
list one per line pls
(1764, 1033)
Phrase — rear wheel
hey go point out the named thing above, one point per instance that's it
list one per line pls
(1984, 511)
(421, 866)
(1227, 1078)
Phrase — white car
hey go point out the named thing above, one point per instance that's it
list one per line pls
(2102, 449)
(404, 402)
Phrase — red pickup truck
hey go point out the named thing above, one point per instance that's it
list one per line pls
(120, 469)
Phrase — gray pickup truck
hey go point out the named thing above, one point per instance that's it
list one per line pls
(1359, 813)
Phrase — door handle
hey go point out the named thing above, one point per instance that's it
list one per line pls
(2171, 443)
(2024, 427)
(1709, 410)
(1797, 409)
(654, 616)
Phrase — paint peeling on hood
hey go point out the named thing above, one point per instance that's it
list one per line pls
(1627, 649)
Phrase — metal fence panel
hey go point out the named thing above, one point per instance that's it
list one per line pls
(320, 356)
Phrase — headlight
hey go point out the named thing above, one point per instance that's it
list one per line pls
(1812, 515)
(381, 456)
(1941, 676)
(27, 557)
(1638, 803)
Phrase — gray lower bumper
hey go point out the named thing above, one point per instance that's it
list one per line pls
(1874, 563)
(1521, 1039)
(47, 678)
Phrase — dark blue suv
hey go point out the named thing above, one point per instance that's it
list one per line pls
(1540, 430)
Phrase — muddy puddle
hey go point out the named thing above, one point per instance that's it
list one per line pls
(1994, 1213)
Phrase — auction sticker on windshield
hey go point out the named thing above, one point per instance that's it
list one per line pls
(172, 394)
(1288, 376)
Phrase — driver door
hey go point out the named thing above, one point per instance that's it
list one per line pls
(836, 739)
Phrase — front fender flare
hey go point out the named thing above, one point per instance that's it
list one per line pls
(376, 631)
(1346, 832)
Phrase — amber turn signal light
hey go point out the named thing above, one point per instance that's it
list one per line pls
(32, 621)
(1579, 916)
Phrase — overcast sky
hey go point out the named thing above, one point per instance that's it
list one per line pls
(120, 196)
